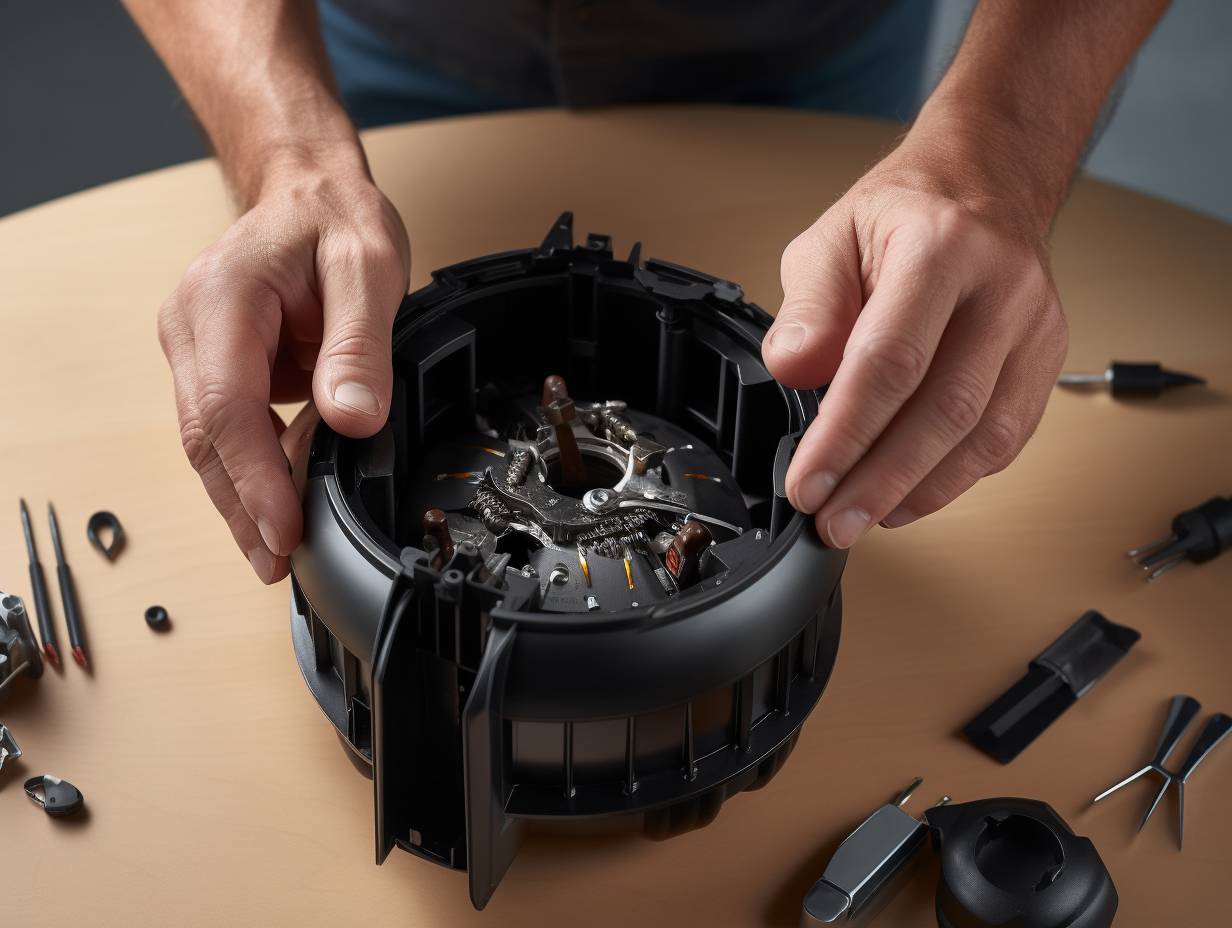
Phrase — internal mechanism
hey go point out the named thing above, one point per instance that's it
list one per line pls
(608, 507)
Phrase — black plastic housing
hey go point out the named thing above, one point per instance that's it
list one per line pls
(477, 712)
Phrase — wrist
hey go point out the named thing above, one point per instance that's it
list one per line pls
(316, 140)
(990, 161)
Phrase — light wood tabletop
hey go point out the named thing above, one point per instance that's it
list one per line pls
(217, 793)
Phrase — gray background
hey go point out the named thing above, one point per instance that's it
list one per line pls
(83, 101)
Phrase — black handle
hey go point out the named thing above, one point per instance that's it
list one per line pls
(1215, 730)
(1180, 713)
(42, 606)
(68, 596)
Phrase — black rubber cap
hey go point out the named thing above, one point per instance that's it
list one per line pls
(1015, 862)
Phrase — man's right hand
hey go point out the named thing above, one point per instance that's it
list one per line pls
(295, 301)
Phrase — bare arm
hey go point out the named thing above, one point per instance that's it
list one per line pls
(297, 298)
(256, 76)
(923, 296)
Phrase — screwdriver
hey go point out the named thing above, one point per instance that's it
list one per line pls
(42, 606)
(68, 595)
(1133, 379)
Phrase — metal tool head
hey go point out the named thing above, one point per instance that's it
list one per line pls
(9, 748)
(865, 868)
(1181, 712)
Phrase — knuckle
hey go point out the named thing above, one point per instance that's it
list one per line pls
(997, 444)
(898, 362)
(942, 230)
(960, 405)
(196, 443)
(951, 225)
(216, 403)
(203, 272)
(362, 254)
(355, 342)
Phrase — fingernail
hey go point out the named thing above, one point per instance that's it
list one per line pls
(358, 397)
(787, 337)
(814, 490)
(847, 526)
(269, 534)
(898, 518)
(262, 562)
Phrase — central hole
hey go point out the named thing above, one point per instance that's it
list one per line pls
(600, 472)
(1018, 854)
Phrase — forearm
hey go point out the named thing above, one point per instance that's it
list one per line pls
(257, 77)
(1019, 102)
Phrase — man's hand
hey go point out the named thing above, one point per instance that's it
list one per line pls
(923, 296)
(297, 299)
(940, 333)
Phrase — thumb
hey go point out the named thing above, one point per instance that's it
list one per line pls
(361, 288)
(822, 296)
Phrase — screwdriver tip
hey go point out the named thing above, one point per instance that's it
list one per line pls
(79, 655)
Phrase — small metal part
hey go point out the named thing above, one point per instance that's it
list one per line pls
(1181, 711)
(592, 603)
(1197, 535)
(902, 798)
(585, 565)
(866, 867)
(685, 551)
(616, 427)
(598, 499)
(436, 527)
(628, 567)
(157, 618)
(9, 748)
(68, 594)
(55, 796)
(106, 520)
(665, 581)
(704, 477)
(559, 575)
(38, 583)
(646, 454)
(519, 465)
(19, 652)
(1126, 378)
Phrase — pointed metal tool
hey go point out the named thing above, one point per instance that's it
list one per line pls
(1181, 712)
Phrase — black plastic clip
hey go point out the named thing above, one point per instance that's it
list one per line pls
(53, 795)
(102, 520)
(1054, 681)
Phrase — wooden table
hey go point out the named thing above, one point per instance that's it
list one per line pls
(217, 792)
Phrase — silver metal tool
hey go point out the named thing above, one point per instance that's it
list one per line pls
(859, 877)
(1181, 712)
(19, 653)
(9, 748)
